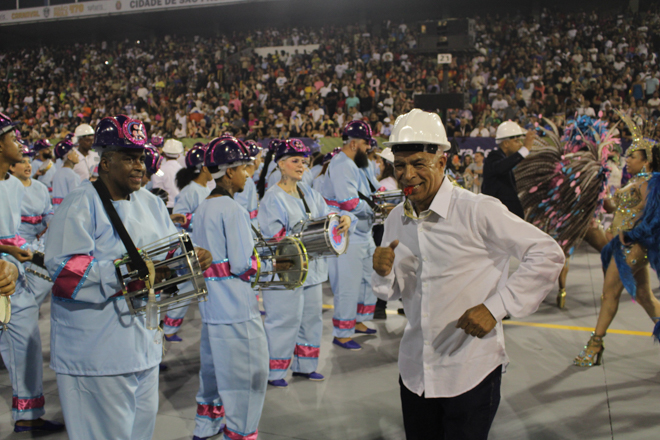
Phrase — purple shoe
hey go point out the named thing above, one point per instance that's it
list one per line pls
(349, 345)
(279, 383)
(46, 426)
(311, 376)
(162, 367)
(369, 331)
(174, 338)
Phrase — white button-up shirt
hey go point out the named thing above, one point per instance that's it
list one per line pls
(85, 166)
(167, 180)
(452, 260)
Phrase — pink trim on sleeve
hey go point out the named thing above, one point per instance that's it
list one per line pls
(57, 200)
(71, 276)
(245, 276)
(32, 219)
(253, 214)
(16, 240)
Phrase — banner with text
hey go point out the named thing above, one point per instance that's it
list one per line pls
(101, 7)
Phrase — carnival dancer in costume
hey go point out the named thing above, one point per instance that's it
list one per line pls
(562, 185)
(634, 242)
(347, 188)
(20, 341)
(191, 181)
(65, 179)
(233, 348)
(248, 197)
(105, 358)
(293, 317)
(36, 212)
(43, 166)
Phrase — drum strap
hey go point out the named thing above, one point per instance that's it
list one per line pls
(302, 197)
(137, 263)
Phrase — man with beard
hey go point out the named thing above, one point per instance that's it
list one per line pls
(347, 188)
(88, 159)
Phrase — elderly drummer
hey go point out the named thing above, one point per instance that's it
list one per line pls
(234, 353)
(447, 255)
(293, 317)
(105, 358)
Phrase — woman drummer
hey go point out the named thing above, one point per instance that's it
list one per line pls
(192, 182)
(293, 317)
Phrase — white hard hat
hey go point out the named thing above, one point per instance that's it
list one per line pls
(173, 147)
(508, 130)
(418, 127)
(81, 131)
(387, 155)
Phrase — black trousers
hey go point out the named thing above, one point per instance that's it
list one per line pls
(465, 417)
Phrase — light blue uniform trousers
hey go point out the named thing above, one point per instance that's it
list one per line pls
(350, 279)
(293, 327)
(121, 407)
(232, 379)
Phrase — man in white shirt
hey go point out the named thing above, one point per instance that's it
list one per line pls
(452, 353)
(89, 160)
(172, 149)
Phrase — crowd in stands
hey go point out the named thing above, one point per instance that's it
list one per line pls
(557, 66)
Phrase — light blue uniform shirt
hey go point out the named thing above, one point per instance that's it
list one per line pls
(47, 178)
(36, 211)
(187, 201)
(280, 212)
(343, 180)
(222, 226)
(248, 199)
(11, 196)
(92, 330)
(64, 181)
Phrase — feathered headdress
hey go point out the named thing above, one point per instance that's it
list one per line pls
(640, 140)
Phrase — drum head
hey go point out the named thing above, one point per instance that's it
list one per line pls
(338, 242)
(5, 309)
(291, 250)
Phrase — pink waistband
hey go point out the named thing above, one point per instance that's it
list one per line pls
(218, 270)
(253, 214)
(32, 219)
(57, 200)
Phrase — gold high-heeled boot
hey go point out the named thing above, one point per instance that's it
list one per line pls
(561, 298)
(592, 354)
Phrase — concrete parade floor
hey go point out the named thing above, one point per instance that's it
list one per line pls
(543, 395)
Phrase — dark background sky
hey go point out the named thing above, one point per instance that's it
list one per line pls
(225, 18)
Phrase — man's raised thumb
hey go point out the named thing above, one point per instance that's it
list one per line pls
(394, 244)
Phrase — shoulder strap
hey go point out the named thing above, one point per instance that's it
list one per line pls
(137, 263)
(302, 197)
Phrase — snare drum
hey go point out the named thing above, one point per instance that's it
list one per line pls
(268, 252)
(321, 236)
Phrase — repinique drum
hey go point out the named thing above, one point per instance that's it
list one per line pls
(174, 254)
(272, 255)
(321, 236)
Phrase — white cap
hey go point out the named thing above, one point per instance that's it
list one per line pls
(172, 147)
(419, 127)
(387, 155)
(508, 130)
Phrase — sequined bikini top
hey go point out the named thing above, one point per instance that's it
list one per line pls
(629, 204)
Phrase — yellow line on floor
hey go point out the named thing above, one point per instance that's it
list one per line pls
(572, 327)
(541, 325)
